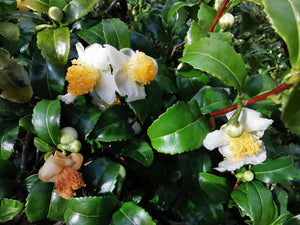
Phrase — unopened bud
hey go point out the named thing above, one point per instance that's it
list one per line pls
(74, 146)
(226, 21)
(68, 134)
(55, 13)
(234, 130)
(248, 175)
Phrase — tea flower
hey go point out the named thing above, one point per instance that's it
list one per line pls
(242, 150)
(132, 70)
(62, 170)
(90, 73)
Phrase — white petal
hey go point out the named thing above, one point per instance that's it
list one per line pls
(106, 88)
(128, 51)
(224, 150)
(96, 56)
(251, 120)
(215, 139)
(128, 87)
(80, 50)
(228, 165)
(68, 98)
(117, 59)
(258, 158)
(49, 170)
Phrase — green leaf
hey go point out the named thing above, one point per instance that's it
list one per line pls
(46, 120)
(8, 137)
(57, 207)
(41, 6)
(284, 17)
(139, 150)
(14, 82)
(142, 43)
(180, 129)
(75, 9)
(130, 213)
(105, 175)
(116, 33)
(90, 210)
(215, 187)
(276, 170)
(291, 110)
(206, 16)
(10, 31)
(282, 201)
(47, 80)
(258, 84)
(93, 35)
(55, 45)
(256, 201)
(37, 201)
(148, 108)
(211, 99)
(10, 208)
(8, 187)
(218, 58)
(113, 125)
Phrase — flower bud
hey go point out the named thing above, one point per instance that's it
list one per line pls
(47, 155)
(68, 134)
(74, 146)
(218, 4)
(234, 130)
(55, 13)
(226, 21)
(248, 175)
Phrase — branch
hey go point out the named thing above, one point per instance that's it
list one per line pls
(219, 14)
(259, 98)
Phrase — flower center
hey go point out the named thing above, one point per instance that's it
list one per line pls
(245, 145)
(141, 68)
(82, 79)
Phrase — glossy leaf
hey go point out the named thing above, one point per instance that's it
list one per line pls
(206, 16)
(291, 111)
(90, 210)
(14, 82)
(10, 31)
(142, 43)
(9, 209)
(180, 129)
(47, 80)
(148, 108)
(215, 187)
(130, 214)
(284, 17)
(105, 175)
(75, 9)
(256, 201)
(57, 207)
(46, 120)
(113, 125)
(55, 45)
(41, 6)
(116, 33)
(8, 137)
(211, 99)
(258, 84)
(139, 150)
(37, 201)
(276, 170)
(93, 35)
(218, 58)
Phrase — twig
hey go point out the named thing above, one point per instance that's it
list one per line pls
(219, 14)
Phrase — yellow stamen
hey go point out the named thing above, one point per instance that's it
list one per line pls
(141, 68)
(82, 79)
(245, 145)
(117, 101)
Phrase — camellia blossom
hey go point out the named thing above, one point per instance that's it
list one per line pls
(245, 149)
(132, 70)
(90, 73)
(62, 170)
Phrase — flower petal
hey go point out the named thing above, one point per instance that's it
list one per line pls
(228, 165)
(77, 159)
(49, 170)
(258, 158)
(252, 120)
(106, 88)
(215, 139)
(126, 86)
(116, 58)
(68, 98)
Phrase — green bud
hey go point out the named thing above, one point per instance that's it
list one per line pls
(74, 146)
(68, 134)
(47, 155)
(234, 130)
(248, 175)
(55, 13)
(226, 21)
(218, 4)
(239, 175)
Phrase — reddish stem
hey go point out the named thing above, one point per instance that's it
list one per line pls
(259, 98)
(237, 184)
(219, 14)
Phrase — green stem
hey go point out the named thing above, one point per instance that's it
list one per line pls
(258, 98)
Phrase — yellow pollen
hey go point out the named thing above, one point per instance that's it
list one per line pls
(141, 68)
(117, 101)
(82, 79)
(245, 145)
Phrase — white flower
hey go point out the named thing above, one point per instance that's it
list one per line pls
(242, 150)
(132, 70)
(90, 73)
